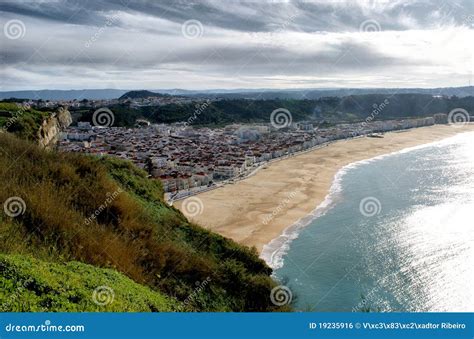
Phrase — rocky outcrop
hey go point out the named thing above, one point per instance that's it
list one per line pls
(51, 127)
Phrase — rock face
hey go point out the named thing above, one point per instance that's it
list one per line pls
(51, 127)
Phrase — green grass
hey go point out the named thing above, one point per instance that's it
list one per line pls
(31, 285)
(24, 122)
(135, 232)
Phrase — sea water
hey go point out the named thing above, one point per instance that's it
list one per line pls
(396, 233)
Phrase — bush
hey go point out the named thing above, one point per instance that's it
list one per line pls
(30, 285)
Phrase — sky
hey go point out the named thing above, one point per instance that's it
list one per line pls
(229, 44)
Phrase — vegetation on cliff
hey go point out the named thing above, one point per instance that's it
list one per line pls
(106, 212)
(23, 121)
(327, 109)
(42, 127)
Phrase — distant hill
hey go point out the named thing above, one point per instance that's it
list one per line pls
(328, 109)
(312, 94)
(141, 94)
(300, 93)
(79, 94)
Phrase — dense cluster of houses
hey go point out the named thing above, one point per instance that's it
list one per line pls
(98, 103)
(184, 157)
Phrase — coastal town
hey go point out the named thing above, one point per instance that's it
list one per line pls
(153, 99)
(189, 160)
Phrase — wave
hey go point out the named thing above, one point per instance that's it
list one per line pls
(274, 251)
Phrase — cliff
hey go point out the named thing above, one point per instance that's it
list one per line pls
(43, 127)
(52, 126)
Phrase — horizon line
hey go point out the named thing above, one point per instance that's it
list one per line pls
(228, 89)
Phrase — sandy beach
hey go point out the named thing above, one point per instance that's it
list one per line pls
(256, 210)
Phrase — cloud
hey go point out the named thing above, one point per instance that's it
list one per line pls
(256, 16)
(105, 43)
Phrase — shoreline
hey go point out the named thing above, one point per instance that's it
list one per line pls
(274, 251)
(260, 209)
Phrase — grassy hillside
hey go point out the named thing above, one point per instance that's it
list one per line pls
(106, 212)
(31, 285)
(22, 121)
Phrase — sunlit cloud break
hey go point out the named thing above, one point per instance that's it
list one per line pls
(239, 44)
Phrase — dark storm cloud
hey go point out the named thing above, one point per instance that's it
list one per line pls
(255, 16)
(74, 12)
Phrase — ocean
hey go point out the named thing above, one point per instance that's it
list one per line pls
(396, 233)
